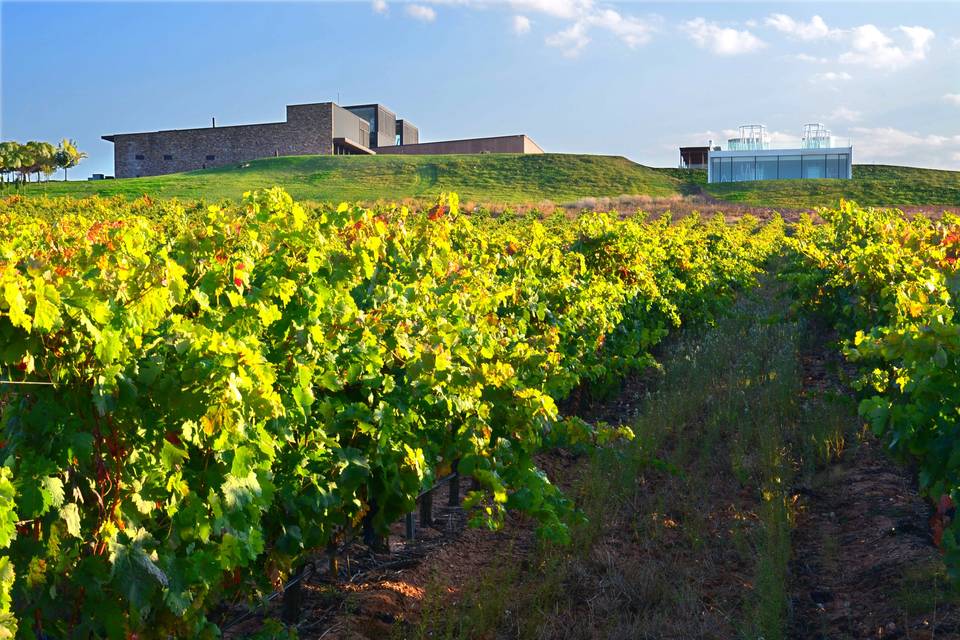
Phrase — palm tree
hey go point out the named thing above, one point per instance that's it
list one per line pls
(68, 156)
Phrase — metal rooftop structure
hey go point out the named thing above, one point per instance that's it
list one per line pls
(816, 136)
(752, 137)
(750, 157)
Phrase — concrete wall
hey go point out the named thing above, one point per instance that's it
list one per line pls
(349, 125)
(386, 127)
(500, 144)
(308, 130)
(409, 134)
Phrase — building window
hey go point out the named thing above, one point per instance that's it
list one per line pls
(167, 156)
(790, 167)
(767, 167)
(139, 156)
(814, 166)
(833, 166)
(211, 157)
(726, 164)
(744, 169)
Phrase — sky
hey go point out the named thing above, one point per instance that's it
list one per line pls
(636, 79)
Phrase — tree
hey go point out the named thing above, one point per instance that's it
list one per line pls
(68, 156)
(25, 160)
(9, 158)
(39, 158)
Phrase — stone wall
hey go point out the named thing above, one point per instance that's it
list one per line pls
(500, 144)
(307, 131)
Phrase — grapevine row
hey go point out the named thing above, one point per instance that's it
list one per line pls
(891, 286)
(198, 398)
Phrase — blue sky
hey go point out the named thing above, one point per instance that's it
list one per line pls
(635, 79)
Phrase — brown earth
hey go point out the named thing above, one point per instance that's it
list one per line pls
(865, 565)
(663, 565)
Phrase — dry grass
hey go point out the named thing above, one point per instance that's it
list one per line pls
(688, 532)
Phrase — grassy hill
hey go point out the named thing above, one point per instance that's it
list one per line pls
(486, 178)
(514, 179)
(872, 184)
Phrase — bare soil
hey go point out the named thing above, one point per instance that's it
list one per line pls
(675, 560)
(865, 564)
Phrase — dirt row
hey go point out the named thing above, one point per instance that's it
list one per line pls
(864, 563)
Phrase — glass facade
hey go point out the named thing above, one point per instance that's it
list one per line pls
(779, 167)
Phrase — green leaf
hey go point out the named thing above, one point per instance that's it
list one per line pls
(171, 456)
(52, 492)
(18, 306)
(109, 346)
(71, 515)
(46, 315)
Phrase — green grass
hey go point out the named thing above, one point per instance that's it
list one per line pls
(873, 185)
(501, 178)
(688, 529)
(516, 179)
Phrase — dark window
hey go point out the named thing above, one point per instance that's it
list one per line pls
(790, 167)
(167, 156)
(744, 169)
(211, 157)
(814, 166)
(139, 156)
(833, 166)
(766, 167)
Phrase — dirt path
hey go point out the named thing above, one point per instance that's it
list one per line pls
(722, 521)
(865, 565)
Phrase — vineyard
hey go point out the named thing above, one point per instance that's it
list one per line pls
(198, 400)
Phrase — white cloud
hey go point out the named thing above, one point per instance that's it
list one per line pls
(844, 114)
(816, 29)
(521, 25)
(571, 40)
(421, 12)
(953, 98)
(872, 47)
(380, 6)
(888, 144)
(722, 41)
(806, 57)
(632, 31)
(568, 9)
(831, 76)
(582, 18)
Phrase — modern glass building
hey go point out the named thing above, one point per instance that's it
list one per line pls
(749, 157)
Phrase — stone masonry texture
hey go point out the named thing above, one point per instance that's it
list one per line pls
(307, 131)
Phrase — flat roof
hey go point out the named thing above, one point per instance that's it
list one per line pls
(356, 146)
(727, 153)
(111, 137)
(372, 104)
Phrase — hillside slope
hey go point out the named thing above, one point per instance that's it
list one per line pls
(487, 178)
(515, 179)
(872, 184)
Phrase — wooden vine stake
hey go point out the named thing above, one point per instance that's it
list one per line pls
(292, 599)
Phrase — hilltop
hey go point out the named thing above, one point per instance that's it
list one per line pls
(516, 179)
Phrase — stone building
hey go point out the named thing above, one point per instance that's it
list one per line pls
(323, 128)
